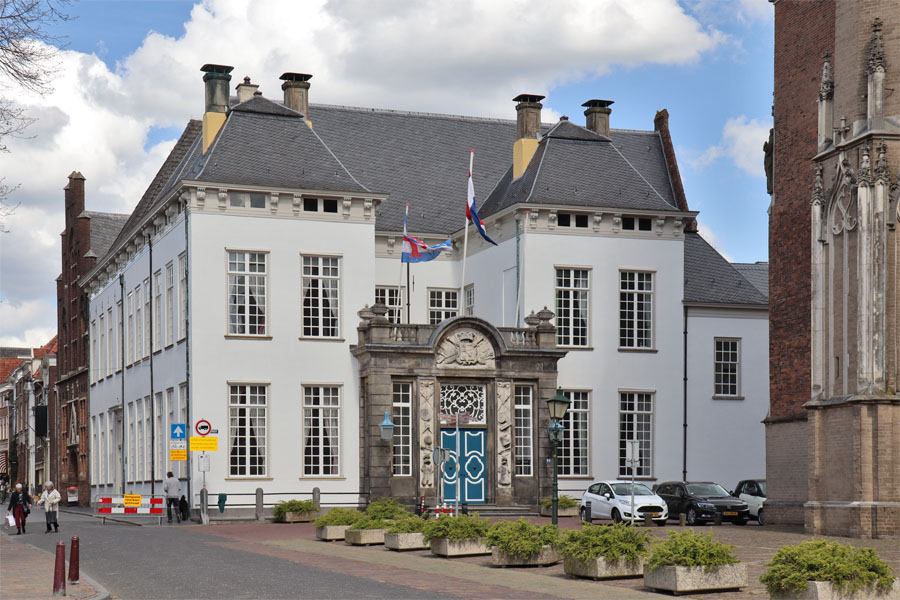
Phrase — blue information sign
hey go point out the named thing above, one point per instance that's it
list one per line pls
(178, 431)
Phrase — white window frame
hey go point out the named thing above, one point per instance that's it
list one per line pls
(523, 429)
(439, 304)
(158, 324)
(120, 336)
(315, 466)
(401, 403)
(182, 295)
(311, 317)
(148, 438)
(131, 442)
(148, 335)
(171, 410)
(110, 342)
(170, 303)
(182, 412)
(159, 440)
(579, 414)
(469, 300)
(393, 300)
(566, 296)
(629, 420)
(103, 348)
(633, 293)
(94, 453)
(138, 324)
(243, 317)
(249, 390)
(130, 356)
(95, 355)
(720, 368)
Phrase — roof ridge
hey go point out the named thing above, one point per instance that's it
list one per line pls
(106, 214)
(639, 174)
(413, 113)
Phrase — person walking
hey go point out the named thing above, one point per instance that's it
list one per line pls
(19, 506)
(50, 499)
(172, 489)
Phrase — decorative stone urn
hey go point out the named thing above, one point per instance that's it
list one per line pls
(600, 568)
(547, 556)
(681, 580)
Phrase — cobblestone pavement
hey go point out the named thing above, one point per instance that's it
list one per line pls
(27, 572)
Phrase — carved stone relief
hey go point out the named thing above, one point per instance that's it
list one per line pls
(504, 434)
(426, 432)
(465, 348)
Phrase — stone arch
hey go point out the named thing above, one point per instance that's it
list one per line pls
(466, 342)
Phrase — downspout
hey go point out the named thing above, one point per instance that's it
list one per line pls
(152, 390)
(122, 398)
(518, 278)
(685, 399)
(187, 337)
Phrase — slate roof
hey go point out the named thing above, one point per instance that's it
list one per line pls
(710, 279)
(574, 166)
(756, 273)
(105, 227)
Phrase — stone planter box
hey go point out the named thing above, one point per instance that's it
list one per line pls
(300, 517)
(600, 568)
(330, 533)
(364, 537)
(562, 512)
(404, 541)
(466, 547)
(824, 590)
(547, 556)
(680, 580)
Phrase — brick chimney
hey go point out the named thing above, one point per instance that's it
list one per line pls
(528, 128)
(296, 92)
(245, 90)
(74, 196)
(216, 78)
(597, 114)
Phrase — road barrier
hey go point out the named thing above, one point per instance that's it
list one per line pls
(130, 504)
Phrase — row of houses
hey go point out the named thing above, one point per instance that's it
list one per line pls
(258, 287)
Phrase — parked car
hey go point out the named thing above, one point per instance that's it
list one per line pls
(612, 500)
(701, 500)
(753, 492)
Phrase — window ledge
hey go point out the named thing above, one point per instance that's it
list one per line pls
(326, 477)
(320, 339)
(584, 477)
(238, 336)
(646, 350)
(248, 478)
(169, 345)
(715, 397)
(181, 340)
(157, 351)
(575, 347)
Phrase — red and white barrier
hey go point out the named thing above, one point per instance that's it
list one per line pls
(135, 505)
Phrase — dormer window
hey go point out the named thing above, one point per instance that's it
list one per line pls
(247, 199)
(311, 204)
(643, 224)
(566, 220)
(329, 205)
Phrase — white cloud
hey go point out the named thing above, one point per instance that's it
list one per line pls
(710, 236)
(465, 57)
(742, 142)
(744, 12)
(25, 324)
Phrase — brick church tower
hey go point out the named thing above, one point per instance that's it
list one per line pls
(833, 430)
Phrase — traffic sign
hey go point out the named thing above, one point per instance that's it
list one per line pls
(177, 444)
(178, 431)
(132, 500)
(204, 444)
(202, 427)
(175, 455)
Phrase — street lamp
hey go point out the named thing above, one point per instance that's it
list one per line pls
(387, 427)
(557, 405)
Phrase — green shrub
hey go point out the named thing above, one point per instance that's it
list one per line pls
(612, 542)
(689, 549)
(564, 502)
(369, 522)
(848, 568)
(294, 506)
(386, 508)
(338, 516)
(520, 538)
(457, 528)
(410, 524)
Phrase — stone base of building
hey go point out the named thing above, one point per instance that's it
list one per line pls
(853, 519)
(787, 471)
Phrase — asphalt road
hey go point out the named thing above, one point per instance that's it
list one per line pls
(173, 562)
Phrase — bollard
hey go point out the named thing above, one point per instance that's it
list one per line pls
(74, 571)
(465, 508)
(204, 506)
(259, 505)
(682, 519)
(317, 498)
(587, 512)
(59, 570)
(648, 520)
(718, 518)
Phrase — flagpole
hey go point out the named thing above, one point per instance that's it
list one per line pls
(400, 280)
(462, 279)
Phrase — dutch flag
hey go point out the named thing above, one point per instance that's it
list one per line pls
(472, 212)
(415, 250)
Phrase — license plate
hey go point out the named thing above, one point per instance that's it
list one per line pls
(654, 515)
(730, 514)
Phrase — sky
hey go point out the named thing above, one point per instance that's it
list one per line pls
(128, 79)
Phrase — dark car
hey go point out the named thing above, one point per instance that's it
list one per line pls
(700, 501)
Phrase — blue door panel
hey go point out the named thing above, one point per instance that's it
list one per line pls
(467, 476)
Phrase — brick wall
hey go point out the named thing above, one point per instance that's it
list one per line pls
(786, 472)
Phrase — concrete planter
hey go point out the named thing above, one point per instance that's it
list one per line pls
(330, 533)
(600, 568)
(547, 556)
(572, 511)
(404, 541)
(466, 547)
(364, 537)
(679, 580)
(824, 590)
(300, 517)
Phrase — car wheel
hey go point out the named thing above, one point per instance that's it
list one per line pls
(691, 516)
(759, 517)
(584, 515)
(741, 521)
(616, 517)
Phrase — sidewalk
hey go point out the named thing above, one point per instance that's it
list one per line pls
(27, 572)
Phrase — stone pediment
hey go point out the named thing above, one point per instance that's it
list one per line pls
(465, 347)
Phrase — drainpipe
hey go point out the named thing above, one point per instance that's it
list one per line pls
(152, 390)
(685, 399)
(187, 338)
(122, 397)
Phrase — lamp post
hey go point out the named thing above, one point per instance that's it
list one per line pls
(557, 405)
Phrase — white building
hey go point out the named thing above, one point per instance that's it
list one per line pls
(234, 293)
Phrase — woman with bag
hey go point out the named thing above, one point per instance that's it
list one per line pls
(50, 499)
(19, 507)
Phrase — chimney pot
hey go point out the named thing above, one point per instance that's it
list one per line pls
(528, 128)
(296, 92)
(216, 78)
(597, 114)
(246, 90)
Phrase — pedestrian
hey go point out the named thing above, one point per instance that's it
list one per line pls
(50, 499)
(172, 488)
(20, 507)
